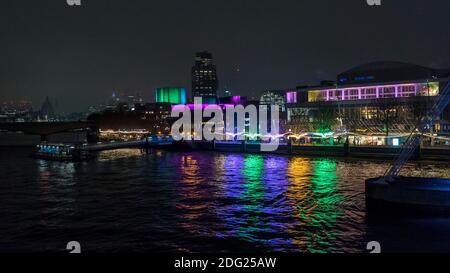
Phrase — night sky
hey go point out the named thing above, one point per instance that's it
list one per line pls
(80, 55)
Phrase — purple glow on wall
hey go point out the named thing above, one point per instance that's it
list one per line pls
(203, 106)
(398, 91)
(236, 99)
(291, 97)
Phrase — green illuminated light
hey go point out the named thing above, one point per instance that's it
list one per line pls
(176, 95)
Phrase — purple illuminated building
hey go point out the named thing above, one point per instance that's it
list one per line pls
(376, 101)
(291, 97)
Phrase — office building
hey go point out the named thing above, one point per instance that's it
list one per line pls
(204, 78)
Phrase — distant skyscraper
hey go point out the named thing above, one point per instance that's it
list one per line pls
(204, 78)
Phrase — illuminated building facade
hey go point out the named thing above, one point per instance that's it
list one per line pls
(376, 103)
(175, 95)
(204, 78)
(279, 98)
(274, 97)
(224, 104)
(147, 119)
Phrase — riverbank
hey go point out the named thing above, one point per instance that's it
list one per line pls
(440, 153)
(369, 152)
(12, 139)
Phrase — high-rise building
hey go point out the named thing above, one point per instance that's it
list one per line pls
(204, 78)
(176, 95)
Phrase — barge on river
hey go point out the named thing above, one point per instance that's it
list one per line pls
(60, 152)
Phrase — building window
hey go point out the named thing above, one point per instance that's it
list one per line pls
(387, 92)
(406, 91)
(368, 93)
(291, 97)
(333, 94)
(369, 113)
(316, 95)
(352, 94)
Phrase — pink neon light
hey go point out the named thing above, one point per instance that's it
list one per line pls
(192, 106)
(236, 99)
(398, 91)
(291, 97)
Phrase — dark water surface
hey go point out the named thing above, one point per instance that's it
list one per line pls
(203, 202)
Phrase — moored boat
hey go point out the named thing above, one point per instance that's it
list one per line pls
(60, 152)
(413, 194)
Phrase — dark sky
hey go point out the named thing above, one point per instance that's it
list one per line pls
(80, 55)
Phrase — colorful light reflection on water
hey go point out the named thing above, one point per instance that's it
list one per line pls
(203, 202)
(295, 199)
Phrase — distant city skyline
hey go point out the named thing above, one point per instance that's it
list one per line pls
(80, 55)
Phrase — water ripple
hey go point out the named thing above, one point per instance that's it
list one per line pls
(200, 202)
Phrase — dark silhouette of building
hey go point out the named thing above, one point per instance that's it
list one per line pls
(204, 78)
(127, 124)
(47, 111)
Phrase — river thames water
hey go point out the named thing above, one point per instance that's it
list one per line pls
(125, 201)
